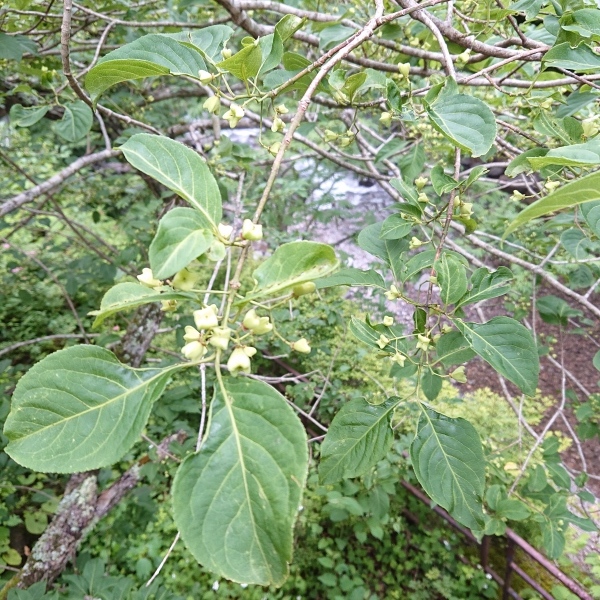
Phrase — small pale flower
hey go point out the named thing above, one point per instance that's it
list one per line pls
(404, 69)
(212, 105)
(147, 278)
(549, 185)
(205, 76)
(185, 280)
(250, 351)
(168, 305)
(464, 56)
(225, 231)
(459, 374)
(329, 135)
(194, 350)
(590, 128)
(239, 362)
(420, 182)
(251, 231)
(281, 109)
(278, 125)
(226, 53)
(415, 242)
(399, 358)
(393, 293)
(301, 346)
(423, 342)
(206, 318)
(517, 196)
(388, 321)
(422, 197)
(220, 338)
(258, 325)
(386, 119)
(234, 115)
(383, 341)
(274, 148)
(447, 329)
(191, 334)
(466, 209)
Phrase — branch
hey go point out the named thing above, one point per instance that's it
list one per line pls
(54, 181)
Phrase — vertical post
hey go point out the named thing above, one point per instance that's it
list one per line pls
(510, 555)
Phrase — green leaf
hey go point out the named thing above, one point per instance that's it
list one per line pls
(390, 148)
(515, 510)
(371, 334)
(183, 235)
(596, 360)
(441, 182)
(12, 47)
(576, 243)
(585, 189)
(243, 64)
(431, 384)
(412, 164)
(453, 349)
(591, 213)
(358, 437)
(76, 121)
(333, 34)
(394, 228)
(522, 163)
(581, 59)
(576, 155)
(448, 461)
(125, 296)
(508, 347)
(79, 409)
(354, 277)
(292, 264)
(149, 56)
(26, 117)
(487, 284)
(390, 251)
(452, 278)
(585, 22)
(465, 120)
(553, 539)
(208, 40)
(236, 500)
(420, 261)
(178, 168)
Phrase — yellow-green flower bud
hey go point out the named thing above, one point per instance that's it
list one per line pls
(225, 231)
(383, 341)
(194, 350)
(464, 56)
(239, 362)
(415, 242)
(404, 69)
(590, 128)
(251, 231)
(281, 109)
(549, 185)
(302, 289)
(466, 209)
(147, 278)
(517, 196)
(207, 318)
(420, 182)
(191, 334)
(329, 136)
(278, 125)
(393, 293)
(185, 280)
(168, 305)
(423, 342)
(459, 374)
(386, 119)
(234, 115)
(422, 197)
(301, 346)
(399, 358)
(220, 338)
(205, 76)
(226, 53)
(212, 105)
(274, 148)
(447, 329)
(388, 321)
(257, 325)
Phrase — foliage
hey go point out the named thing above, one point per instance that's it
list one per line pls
(176, 223)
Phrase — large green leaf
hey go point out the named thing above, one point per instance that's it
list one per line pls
(508, 347)
(183, 235)
(125, 296)
(292, 264)
(581, 59)
(576, 155)
(358, 437)
(453, 349)
(245, 63)
(452, 278)
(236, 500)
(487, 284)
(390, 251)
(12, 47)
(79, 409)
(148, 56)
(448, 461)
(585, 189)
(179, 168)
(76, 121)
(576, 243)
(28, 116)
(465, 120)
(208, 40)
(591, 213)
(354, 277)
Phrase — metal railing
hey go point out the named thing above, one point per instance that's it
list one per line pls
(513, 541)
